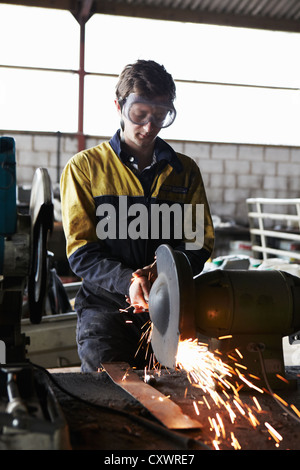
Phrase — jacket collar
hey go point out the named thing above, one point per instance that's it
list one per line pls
(162, 150)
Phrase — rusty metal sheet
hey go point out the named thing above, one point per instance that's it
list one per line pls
(164, 409)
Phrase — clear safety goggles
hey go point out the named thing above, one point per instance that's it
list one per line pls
(140, 111)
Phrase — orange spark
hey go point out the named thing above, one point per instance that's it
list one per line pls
(240, 365)
(276, 436)
(256, 403)
(221, 425)
(282, 378)
(239, 407)
(215, 444)
(196, 408)
(234, 442)
(239, 353)
(206, 402)
(280, 399)
(207, 371)
(295, 410)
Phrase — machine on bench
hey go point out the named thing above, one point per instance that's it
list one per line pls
(30, 417)
(254, 308)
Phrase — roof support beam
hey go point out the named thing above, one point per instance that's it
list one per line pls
(83, 14)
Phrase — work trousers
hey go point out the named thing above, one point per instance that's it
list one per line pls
(112, 336)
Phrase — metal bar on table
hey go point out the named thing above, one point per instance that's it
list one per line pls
(160, 406)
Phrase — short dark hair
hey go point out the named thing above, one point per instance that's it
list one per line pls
(147, 78)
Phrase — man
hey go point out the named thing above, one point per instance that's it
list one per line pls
(100, 189)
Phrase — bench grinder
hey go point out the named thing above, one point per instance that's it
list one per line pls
(256, 309)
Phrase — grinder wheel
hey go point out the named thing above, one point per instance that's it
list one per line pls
(41, 213)
(171, 303)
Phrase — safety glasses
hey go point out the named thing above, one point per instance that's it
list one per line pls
(140, 111)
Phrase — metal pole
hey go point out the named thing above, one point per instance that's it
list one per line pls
(58, 157)
(81, 137)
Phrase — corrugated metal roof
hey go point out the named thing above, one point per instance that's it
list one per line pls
(265, 14)
(281, 15)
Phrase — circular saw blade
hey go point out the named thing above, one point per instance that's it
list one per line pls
(41, 213)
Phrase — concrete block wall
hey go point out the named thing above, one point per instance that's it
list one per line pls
(231, 172)
(41, 150)
(234, 172)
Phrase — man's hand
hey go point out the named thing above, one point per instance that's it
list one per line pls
(140, 287)
(139, 293)
(149, 271)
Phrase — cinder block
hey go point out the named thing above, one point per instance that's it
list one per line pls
(295, 155)
(267, 193)
(69, 145)
(223, 180)
(223, 209)
(23, 142)
(177, 146)
(263, 168)
(250, 181)
(275, 182)
(293, 185)
(224, 151)
(236, 195)
(30, 158)
(41, 142)
(196, 150)
(237, 167)
(214, 194)
(277, 154)
(211, 166)
(250, 152)
(292, 169)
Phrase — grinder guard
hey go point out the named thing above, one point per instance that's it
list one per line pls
(171, 304)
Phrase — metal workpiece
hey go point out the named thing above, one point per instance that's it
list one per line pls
(162, 408)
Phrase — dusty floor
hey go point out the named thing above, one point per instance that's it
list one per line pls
(101, 427)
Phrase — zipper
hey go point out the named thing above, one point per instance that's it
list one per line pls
(160, 166)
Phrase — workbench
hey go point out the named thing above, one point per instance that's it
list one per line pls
(96, 424)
